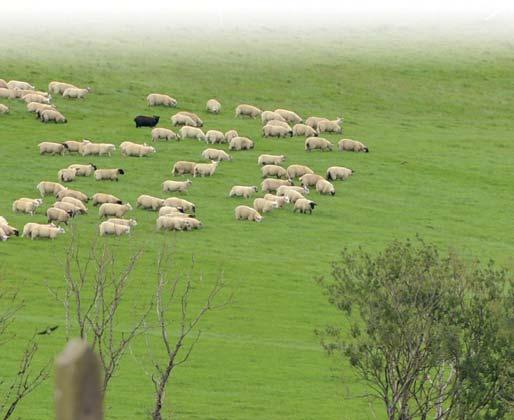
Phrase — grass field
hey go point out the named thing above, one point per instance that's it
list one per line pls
(438, 122)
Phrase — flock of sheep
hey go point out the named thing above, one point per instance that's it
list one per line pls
(174, 213)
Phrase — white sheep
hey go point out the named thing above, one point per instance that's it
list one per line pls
(172, 223)
(49, 188)
(240, 143)
(338, 172)
(108, 174)
(276, 131)
(59, 87)
(5, 93)
(304, 205)
(280, 124)
(164, 133)
(180, 203)
(289, 116)
(270, 159)
(83, 170)
(73, 146)
(304, 130)
(188, 132)
(216, 154)
(33, 97)
(67, 175)
(314, 121)
(270, 115)
(8, 230)
(109, 228)
(124, 222)
(52, 115)
(181, 119)
(16, 84)
(248, 111)
(97, 149)
(27, 228)
(182, 167)
(205, 169)
(57, 215)
(4, 109)
(213, 106)
(77, 203)
(196, 119)
(297, 171)
(48, 147)
(102, 198)
(230, 134)
(155, 99)
(68, 192)
(281, 191)
(264, 206)
(26, 205)
(293, 195)
(247, 213)
(215, 136)
(38, 107)
(76, 93)
(69, 208)
(309, 180)
(242, 191)
(149, 202)
(271, 184)
(281, 201)
(117, 210)
(317, 143)
(128, 148)
(325, 187)
(179, 186)
(274, 170)
(45, 231)
(326, 126)
(351, 146)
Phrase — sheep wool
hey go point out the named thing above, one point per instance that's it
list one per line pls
(117, 210)
(102, 198)
(216, 154)
(247, 213)
(164, 133)
(325, 187)
(205, 169)
(108, 174)
(116, 229)
(183, 167)
(48, 147)
(264, 206)
(271, 184)
(274, 170)
(296, 171)
(270, 159)
(242, 191)
(304, 206)
(213, 106)
(149, 203)
(156, 99)
(289, 116)
(317, 143)
(66, 175)
(215, 136)
(49, 188)
(304, 130)
(176, 186)
(247, 111)
(57, 215)
(240, 143)
(351, 146)
(83, 170)
(338, 172)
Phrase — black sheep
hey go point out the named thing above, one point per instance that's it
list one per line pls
(144, 121)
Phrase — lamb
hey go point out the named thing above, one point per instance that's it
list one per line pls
(352, 146)
(16, 84)
(52, 115)
(164, 133)
(155, 99)
(179, 186)
(26, 205)
(77, 203)
(83, 170)
(128, 148)
(264, 206)
(33, 97)
(289, 116)
(109, 228)
(108, 174)
(69, 208)
(213, 106)
(102, 198)
(270, 159)
(172, 223)
(242, 191)
(124, 222)
(148, 202)
(281, 201)
(297, 171)
(192, 133)
(304, 130)
(313, 143)
(59, 87)
(45, 231)
(248, 111)
(325, 187)
(182, 167)
(274, 170)
(97, 149)
(216, 154)
(270, 115)
(215, 136)
(205, 169)
(308, 180)
(179, 203)
(117, 210)
(314, 121)
(304, 206)
(276, 131)
(67, 192)
(48, 147)
(281, 191)
(76, 93)
(338, 172)
(181, 119)
(230, 134)
(4, 109)
(196, 119)
(279, 123)
(240, 143)
(36, 106)
(66, 175)
(271, 185)
(49, 188)
(247, 213)
(145, 121)
(326, 126)
(73, 146)
(57, 215)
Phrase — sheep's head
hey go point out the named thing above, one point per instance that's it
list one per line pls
(254, 188)
(128, 206)
(121, 171)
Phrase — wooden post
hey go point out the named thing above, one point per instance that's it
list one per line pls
(78, 383)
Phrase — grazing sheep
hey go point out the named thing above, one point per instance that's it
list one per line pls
(313, 143)
(281, 201)
(69, 208)
(304, 206)
(325, 187)
(4, 109)
(26, 205)
(173, 211)
(48, 147)
(5, 93)
(271, 184)
(247, 111)
(66, 175)
(180, 186)
(276, 131)
(309, 180)
(16, 84)
(117, 210)
(97, 149)
(188, 132)
(37, 107)
(351, 146)
(45, 231)
(281, 191)
(59, 87)
(247, 213)
(145, 121)
(297, 171)
(279, 124)
(8, 230)
(108, 174)
(148, 202)
(338, 172)
(193, 223)
(57, 215)
(293, 195)
(172, 223)
(124, 222)
(213, 106)
(77, 203)
(180, 203)
(128, 148)
(156, 99)
(274, 170)
(49, 188)
(74, 146)
(3, 83)
(196, 119)
(83, 170)
(52, 115)
(314, 121)
(289, 116)
(264, 206)
(304, 130)
(242, 191)
(76, 93)
(270, 159)
(215, 136)
(33, 97)
(164, 133)
(230, 134)
(183, 167)
(109, 228)
(240, 143)
(205, 169)
(270, 115)
(216, 154)
(102, 198)
(326, 126)
(28, 227)
(181, 119)
(67, 192)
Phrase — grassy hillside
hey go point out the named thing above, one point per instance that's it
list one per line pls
(439, 126)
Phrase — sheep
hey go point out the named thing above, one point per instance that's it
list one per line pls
(182, 167)
(49, 188)
(21, 93)
(48, 147)
(216, 154)
(145, 121)
(124, 222)
(164, 133)
(180, 186)
(128, 148)
(59, 87)
(111, 209)
(83, 170)
(57, 215)
(248, 111)
(3, 83)
(42, 231)
(281, 191)
(247, 213)
(4, 109)
(304, 130)
(193, 223)
(270, 159)
(196, 119)
(52, 115)
(308, 180)
(274, 170)
(351, 146)
(181, 119)
(242, 191)
(7, 229)
(97, 149)
(155, 99)
(280, 124)
(5, 93)
(192, 133)
(33, 97)
(67, 192)
(313, 143)
(38, 107)
(304, 206)
(293, 195)
(338, 172)
(213, 106)
(271, 185)
(173, 211)
(76, 93)
(215, 136)
(289, 116)
(264, 206)
(109, 228)
(102, 198)
(3, 234)
(26, 205)
(270, 115)
(28, 227)
(314, 121)
(281, 201)
(326, 126)
(230, 134)
(276, 131)
(16, 84)
(108, 174)
(69, 208)
(240, 143)
(325, 187)
(77, 203)
(172, 223)
(296, 171)
(180, 203)
(205, 169)
(66, 175)
(73, 146)
(148, 202)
